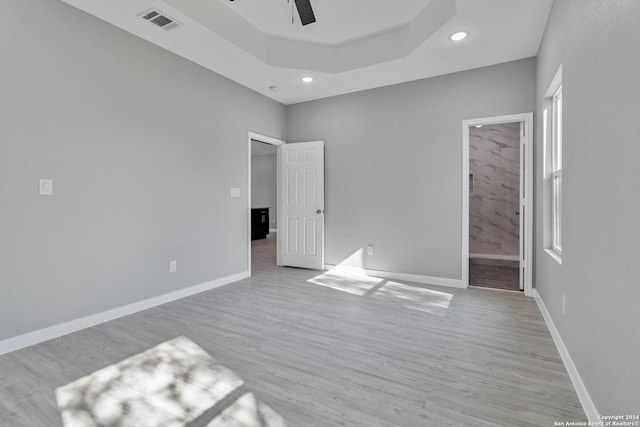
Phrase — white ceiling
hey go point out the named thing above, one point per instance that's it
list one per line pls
(354, 45)
(322, 49)
(337, 20)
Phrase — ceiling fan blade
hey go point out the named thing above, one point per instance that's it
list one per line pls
(305, 11)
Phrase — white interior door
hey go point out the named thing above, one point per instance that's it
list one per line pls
(302, 207)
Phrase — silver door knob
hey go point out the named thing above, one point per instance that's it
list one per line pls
(319, 211)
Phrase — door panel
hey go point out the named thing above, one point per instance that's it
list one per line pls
(310, 231)
(292, 187)
(292, 235)
(311, 185)
(303, 207)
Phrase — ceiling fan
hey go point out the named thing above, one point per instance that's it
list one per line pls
(304, 10)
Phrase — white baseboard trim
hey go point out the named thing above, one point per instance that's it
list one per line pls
(416, 278)
(273, 230)
(31, 338)
(585, 399)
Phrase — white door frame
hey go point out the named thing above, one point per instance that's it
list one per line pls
(277, 142)
(526, 195)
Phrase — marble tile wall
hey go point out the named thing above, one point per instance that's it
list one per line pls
(494, 189)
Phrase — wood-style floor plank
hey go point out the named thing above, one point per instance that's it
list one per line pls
(398, 355)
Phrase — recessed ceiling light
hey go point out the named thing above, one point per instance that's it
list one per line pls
(478, 126)
(274, 88)
(307, 79)
(461, 35)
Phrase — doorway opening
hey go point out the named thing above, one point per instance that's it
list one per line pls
(494, 206)
(263, 200)
(497, 208)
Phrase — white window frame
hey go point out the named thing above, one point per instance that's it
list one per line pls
(556, 171)
(552, 124)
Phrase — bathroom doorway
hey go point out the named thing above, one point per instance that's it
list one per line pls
(496, 246)
(494, 206)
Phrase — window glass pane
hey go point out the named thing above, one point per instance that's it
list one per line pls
(559, 221)
(556, 137)
(557, 211)
(554, 206)
(558, 165)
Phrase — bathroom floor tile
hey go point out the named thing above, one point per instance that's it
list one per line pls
(493, 276)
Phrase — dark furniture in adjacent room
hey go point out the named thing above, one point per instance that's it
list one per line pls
(259, 223)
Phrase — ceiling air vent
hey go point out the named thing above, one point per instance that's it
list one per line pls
(160, 19)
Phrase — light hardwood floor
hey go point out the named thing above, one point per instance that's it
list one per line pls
(322, 349)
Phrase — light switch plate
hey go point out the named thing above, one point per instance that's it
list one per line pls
(46, 187)
(235, 192)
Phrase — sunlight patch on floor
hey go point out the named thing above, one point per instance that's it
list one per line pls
(415, 297)
(346, 281)
(351, 277)
(348, 276)
(169, 385)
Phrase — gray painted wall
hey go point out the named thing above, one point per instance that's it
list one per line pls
(598, 45)
(393, 163)
(494, 188)
(264, 183)
(143, 148)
